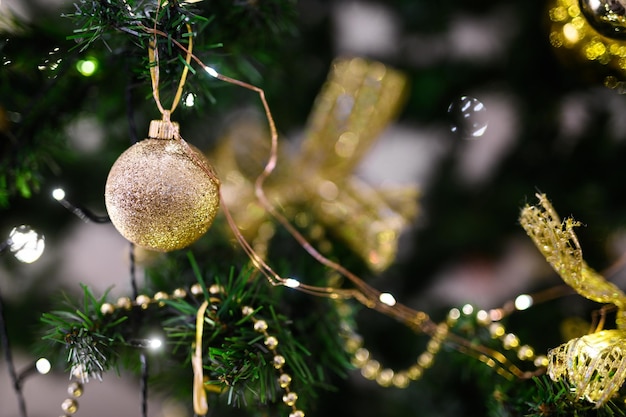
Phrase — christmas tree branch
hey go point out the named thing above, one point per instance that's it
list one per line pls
(99, 334)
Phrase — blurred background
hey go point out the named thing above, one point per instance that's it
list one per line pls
(497, 109)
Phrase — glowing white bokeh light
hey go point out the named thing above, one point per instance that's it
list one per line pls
(58, 194)
(523, 301)
(482, 315)
(292, 283)
(26, 244)
(43, 366)
(467, 309)
(155, 343)
(387, 298)
(454, 314)
(189, 100)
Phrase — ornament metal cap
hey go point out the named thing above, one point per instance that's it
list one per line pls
(163, 129)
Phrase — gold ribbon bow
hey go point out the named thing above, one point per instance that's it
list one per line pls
(316, 187)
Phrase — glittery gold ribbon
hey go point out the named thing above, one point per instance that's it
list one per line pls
(559, 244)
(200, 403)
(316, 187)
(595, 364)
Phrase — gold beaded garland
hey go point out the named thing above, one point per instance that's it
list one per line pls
(162, 193)
(259, 325)
(284, 380)
(70, 406)
(373, 370)
(75, 389)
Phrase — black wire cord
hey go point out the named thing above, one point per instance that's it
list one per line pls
(6, 347)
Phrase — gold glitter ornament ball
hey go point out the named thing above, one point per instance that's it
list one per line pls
(157, 196)
(587, 36)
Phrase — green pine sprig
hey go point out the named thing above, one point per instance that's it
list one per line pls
(89, 336)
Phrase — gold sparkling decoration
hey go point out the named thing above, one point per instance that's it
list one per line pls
(558, 243)
(161, 193)
(316, 186)
(608, 17)
(576, 41)
(594, 364)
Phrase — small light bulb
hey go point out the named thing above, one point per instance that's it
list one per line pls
(292, 283)
(211, 71)
(43, 366)
(189, 100)
(155, 343)
(467, 309)
(387, 298)
(523, 301)
(58, 194)
(26, 244)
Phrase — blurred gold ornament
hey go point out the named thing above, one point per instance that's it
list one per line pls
(607, 17)
(595, 364)
(316, 187)
(162, 193)
(593, 37)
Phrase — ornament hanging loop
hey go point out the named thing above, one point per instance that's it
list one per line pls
(153, 56)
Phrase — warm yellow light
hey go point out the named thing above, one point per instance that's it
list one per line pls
(571, 33)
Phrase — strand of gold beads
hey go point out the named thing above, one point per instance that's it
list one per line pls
(70, 405)
(372, 369)
(492, 321)
(284, 379)
(290, 397)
